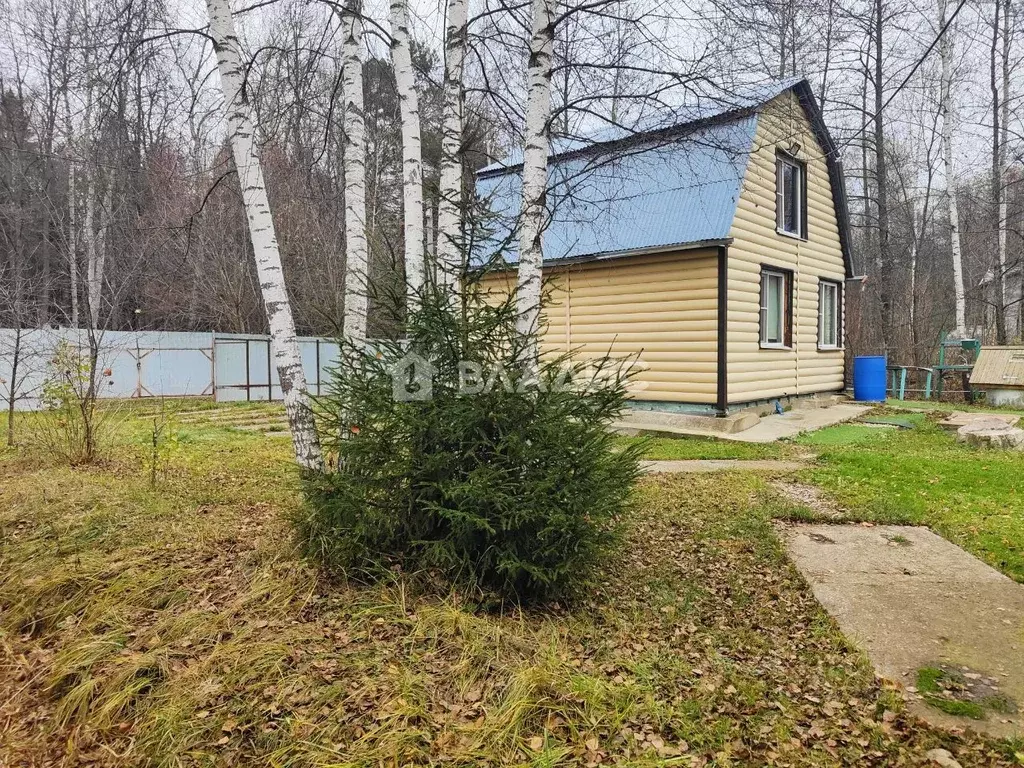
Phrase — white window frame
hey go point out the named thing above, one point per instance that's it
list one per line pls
(782, 161)
(767, 275)
(837, 315)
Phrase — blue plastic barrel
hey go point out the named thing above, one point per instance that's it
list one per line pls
(869, 378)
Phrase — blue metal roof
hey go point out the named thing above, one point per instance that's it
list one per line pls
(720, 106)
(674, 182)
(667, 192)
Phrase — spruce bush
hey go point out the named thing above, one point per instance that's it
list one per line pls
(517, 489)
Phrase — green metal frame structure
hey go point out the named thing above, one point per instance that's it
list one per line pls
(934, 375)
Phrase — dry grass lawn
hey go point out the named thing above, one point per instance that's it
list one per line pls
(174, 626)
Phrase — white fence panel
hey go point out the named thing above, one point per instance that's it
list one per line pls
(230, 367)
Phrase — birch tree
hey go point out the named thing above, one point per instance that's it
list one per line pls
(356, 250)
(449, 206)
(535, 178)
(917, 204)
(1009, 313)
(242, 137)
(946, 110)
(72, 188)
(412, 163)
(999, 84)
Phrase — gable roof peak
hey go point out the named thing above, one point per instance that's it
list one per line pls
(722, 105)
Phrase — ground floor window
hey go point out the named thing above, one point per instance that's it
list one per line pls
(776, 304)
(830, 318)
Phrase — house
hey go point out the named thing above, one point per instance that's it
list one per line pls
(715, 248)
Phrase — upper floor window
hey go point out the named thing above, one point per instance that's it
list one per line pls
(790, 196)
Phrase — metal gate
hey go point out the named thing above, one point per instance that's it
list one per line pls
(243, 366)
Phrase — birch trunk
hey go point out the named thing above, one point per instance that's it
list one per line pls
(412, 163)
(96, 244)
(73, 241)
(886, 262)
(945, 86)
(913, 295)
(92, 297)
(997, 182)
(535, 180)
(449, 209)
(431, 235)
(356, 260)
(1012, 312)
(91, 171)
(242, 136)
(69, 148)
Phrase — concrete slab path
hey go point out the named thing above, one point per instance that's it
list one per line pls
(766, 430)
(912, 599)
(792, 423)
(721, 465)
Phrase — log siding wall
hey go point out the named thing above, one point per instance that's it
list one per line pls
(755, 373)
(661, 307)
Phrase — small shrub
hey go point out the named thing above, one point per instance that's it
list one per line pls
(71, 426)
(162, 443)
(502, 480)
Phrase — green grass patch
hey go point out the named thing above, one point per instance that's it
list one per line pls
(972, 496)
(943, 407)
(951, 692)
(969, 709)
(928, 679)
(845, 434)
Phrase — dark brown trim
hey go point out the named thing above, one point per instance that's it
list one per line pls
(804, 233)
(654, 250)
(835, 172)
(841, 330)
(790, 320)
(722, 404)
(787, 327)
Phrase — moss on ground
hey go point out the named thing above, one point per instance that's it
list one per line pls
(950, 691)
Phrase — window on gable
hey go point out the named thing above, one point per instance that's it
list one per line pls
(776, 308)
(830, 315)
(790, 196)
